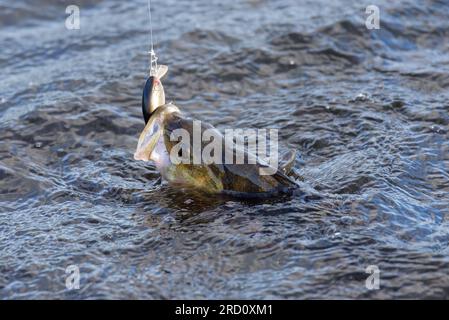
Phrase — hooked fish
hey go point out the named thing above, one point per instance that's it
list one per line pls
(155, 144)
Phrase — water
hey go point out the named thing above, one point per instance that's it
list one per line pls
(367, 109)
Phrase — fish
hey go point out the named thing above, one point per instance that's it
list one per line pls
(156, 144)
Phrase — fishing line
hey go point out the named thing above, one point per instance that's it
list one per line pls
(153, 56)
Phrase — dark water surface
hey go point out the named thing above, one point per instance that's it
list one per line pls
(367, 109)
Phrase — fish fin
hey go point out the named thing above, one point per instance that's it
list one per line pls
(284, 179)
(161, 71)
(287, 161)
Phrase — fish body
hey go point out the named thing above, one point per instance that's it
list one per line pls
(156, 144)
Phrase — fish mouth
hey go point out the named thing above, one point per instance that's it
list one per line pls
(147, 142)
(143, 152)
(139, 155)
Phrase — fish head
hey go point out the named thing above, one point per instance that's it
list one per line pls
(153, 93)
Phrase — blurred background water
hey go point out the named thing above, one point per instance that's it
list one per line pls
(367, 109)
